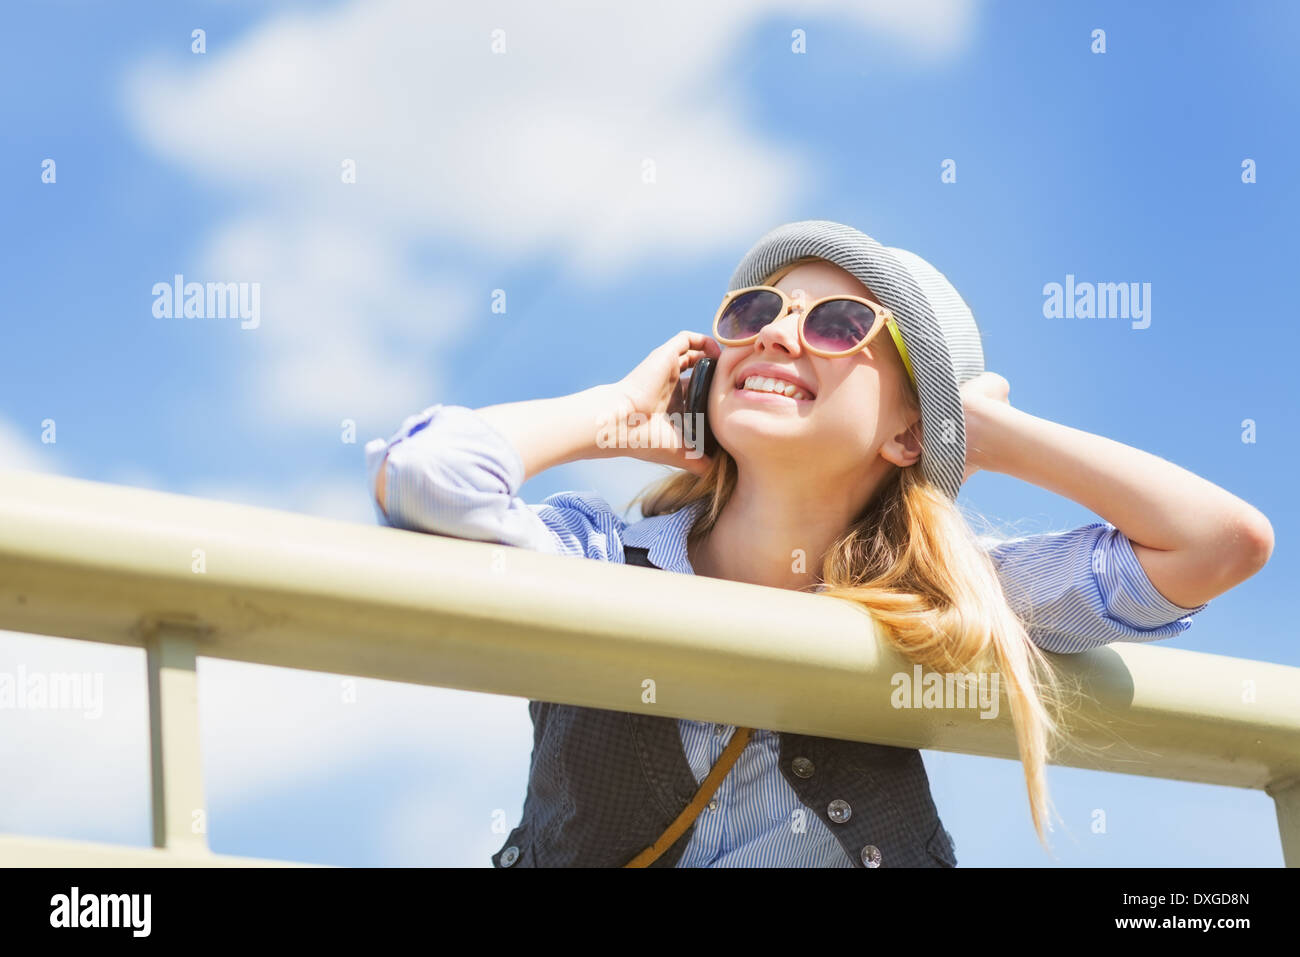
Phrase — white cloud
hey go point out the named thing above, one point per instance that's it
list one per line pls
(24, 451)
(268, 728)
(346, 329)
(537, 152)
(933, 29)
(69, 774)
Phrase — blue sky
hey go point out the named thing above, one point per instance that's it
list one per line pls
(522, 172)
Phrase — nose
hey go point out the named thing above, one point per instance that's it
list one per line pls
(782, 332)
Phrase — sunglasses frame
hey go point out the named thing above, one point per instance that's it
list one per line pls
(882, 315)
(884, 319)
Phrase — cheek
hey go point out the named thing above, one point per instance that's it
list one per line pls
(853, 410)
(724, 372)
(848, 422)
(730, 359)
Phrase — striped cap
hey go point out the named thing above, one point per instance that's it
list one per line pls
(942, 339)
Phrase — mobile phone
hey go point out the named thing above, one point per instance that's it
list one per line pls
(697, 407)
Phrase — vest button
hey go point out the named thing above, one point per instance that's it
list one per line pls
(509, 856)
(871, 856)
(802, 767)
(839, 811)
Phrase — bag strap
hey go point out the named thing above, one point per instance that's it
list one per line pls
(702, 796)
(641, 556)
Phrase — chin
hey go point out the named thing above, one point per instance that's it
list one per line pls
(754, 437)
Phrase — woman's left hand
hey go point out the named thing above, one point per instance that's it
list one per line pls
(976, 395)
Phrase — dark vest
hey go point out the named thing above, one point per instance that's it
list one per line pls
(603, 785)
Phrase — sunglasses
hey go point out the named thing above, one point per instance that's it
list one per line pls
(831, 326)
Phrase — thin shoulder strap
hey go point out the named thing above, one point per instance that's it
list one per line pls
(636, 555)
(684, 820)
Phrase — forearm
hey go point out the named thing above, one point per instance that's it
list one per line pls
(550, 432)
(544, 432)
(1194, 539)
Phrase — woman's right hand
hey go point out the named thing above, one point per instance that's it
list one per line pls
(650, 405)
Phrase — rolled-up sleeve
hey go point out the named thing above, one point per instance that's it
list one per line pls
(1083, 588)
(449, 472)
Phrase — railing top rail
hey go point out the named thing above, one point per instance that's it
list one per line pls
(109, 563)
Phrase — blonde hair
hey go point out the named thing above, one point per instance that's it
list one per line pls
(912, 561)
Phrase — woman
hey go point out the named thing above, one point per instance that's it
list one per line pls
(844, 429)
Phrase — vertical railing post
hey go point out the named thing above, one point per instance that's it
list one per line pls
(175, 766)
(1286, 795)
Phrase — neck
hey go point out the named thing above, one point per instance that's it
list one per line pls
(776, 529)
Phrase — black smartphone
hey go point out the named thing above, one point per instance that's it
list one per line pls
(697, 407)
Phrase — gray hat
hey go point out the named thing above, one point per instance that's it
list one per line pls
(942, 339)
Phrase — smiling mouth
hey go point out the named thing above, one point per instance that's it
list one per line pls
(766, 385)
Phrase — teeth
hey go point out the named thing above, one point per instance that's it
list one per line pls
(759, 383)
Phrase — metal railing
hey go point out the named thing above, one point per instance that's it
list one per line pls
(184, 577)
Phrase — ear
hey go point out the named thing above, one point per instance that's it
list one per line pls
(904, 448)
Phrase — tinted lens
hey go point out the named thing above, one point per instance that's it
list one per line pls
(748, 313)
(838, 325)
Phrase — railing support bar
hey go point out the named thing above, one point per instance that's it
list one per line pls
(179, 814)
(1286, 795)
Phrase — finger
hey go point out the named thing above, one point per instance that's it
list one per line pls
(688, 359)
(687, 340)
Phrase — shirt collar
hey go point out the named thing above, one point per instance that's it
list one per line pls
(665, 537)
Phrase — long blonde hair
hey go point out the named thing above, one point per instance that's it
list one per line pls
(912, 561)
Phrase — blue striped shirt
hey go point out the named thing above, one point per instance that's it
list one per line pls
(451, 473)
